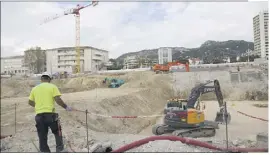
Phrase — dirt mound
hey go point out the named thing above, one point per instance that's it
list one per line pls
(22, 88)
(143, 103)
(78, 84)
(144, 93)
(15, 88)
(141, 96)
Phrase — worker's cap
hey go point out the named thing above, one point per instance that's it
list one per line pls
(46, 74)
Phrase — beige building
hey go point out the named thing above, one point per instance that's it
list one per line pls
(14, 65)
(260, 30)
(64, 59)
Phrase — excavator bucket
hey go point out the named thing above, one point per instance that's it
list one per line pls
(221, 118)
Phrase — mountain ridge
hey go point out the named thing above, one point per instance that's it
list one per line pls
(210, 50)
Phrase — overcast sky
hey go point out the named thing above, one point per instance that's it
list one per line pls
(122, 27)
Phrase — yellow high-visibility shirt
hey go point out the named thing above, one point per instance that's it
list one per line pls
(43, 96)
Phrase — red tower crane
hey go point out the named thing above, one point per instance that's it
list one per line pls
(76, 12)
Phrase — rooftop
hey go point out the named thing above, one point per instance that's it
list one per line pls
(82, 47)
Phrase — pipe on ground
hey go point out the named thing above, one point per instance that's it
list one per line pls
(186, 141)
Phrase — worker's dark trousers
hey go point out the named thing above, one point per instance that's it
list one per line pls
(45, 121)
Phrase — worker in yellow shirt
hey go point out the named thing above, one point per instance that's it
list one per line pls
(42, 98)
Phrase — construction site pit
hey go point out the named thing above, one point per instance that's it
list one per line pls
(144, 95)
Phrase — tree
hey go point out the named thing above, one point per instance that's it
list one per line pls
(34, 59)
(101, 66)
(115, 65)
(233, 59)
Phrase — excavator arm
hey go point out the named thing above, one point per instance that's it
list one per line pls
(201, 89)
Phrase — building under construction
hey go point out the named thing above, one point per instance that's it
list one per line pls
(64, 59)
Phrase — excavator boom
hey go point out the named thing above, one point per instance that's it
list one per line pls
(203, 89)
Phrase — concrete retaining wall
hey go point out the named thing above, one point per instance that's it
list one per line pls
(235, 85)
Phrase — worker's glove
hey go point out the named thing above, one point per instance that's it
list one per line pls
(68, 108)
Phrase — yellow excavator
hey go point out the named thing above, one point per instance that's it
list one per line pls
(184, 119)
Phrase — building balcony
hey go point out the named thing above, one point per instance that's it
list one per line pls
(66, 63)
(98, 53)
(97, 58)
(70, 58)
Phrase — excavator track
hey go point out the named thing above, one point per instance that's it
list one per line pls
(196, 133)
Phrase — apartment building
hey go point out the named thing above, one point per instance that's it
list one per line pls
(13, 65)
(131, 62)
(64, 59)
(260, 31)
(164, 55)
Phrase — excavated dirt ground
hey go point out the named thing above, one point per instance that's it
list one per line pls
(143, 94)
(11, 88)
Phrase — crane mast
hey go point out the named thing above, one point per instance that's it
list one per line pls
(76, 12)
(78, 51)
(77, 48)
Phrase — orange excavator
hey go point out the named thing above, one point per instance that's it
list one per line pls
(165, 68)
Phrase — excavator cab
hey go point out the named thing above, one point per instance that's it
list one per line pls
(175, 104)
(186, 118)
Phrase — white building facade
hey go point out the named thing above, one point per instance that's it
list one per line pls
(131, 62)
(64, 59)
(164, 55)
(13, 65)
(260, 30)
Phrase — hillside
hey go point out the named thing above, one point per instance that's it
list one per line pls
(208, 51)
